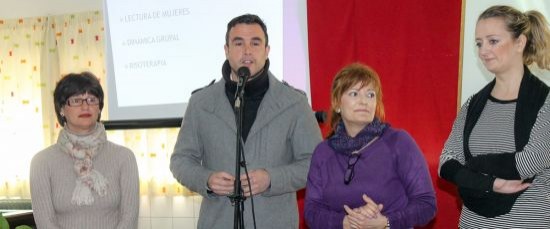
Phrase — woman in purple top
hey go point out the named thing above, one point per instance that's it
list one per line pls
(366, 174)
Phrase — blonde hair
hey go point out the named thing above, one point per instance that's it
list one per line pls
(346, 78)
(533, 25)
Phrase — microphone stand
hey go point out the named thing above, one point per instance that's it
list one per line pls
(237, 199)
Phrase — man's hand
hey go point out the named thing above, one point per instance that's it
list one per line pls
(259, 182)
(221, 183)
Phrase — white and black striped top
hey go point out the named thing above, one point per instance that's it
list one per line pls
(494, 133)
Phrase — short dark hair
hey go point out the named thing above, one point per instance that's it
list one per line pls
(76, 84)
(246, 19)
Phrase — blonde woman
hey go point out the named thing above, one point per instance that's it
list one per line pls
(498, 151)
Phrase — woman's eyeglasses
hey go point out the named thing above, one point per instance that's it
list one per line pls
(353, 158)
(76, 102)
(351, 165)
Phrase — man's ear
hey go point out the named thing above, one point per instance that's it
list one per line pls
(226, 51)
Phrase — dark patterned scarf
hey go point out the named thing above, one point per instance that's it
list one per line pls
(342, 143)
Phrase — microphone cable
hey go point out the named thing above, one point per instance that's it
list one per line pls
(249, 186)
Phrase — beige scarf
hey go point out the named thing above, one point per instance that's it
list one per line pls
(83, 148)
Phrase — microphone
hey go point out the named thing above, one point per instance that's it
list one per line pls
(243, 73)
(321, 116)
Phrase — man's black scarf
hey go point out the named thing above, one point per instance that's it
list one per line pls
(531, 97)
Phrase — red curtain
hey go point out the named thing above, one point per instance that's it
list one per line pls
(414, 46)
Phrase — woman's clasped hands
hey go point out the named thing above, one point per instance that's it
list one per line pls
(366, 216)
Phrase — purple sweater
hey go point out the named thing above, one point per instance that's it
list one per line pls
(391, 171)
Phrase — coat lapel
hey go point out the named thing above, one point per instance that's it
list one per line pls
(273, 103)
(220, 107)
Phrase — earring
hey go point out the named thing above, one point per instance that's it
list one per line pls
(63, 119)
(338, 110)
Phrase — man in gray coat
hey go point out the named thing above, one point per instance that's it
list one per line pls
(279, 134)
